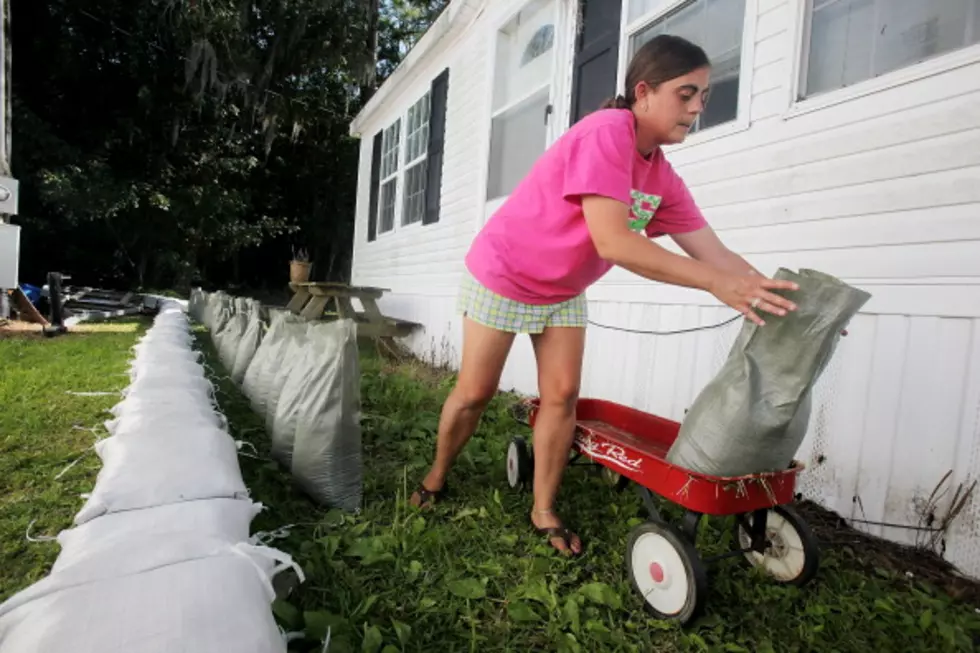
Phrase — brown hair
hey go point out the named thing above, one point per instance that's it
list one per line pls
(660, 59)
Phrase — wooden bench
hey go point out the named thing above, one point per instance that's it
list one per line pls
(310, 299)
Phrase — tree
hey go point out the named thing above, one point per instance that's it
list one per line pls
(170, 142)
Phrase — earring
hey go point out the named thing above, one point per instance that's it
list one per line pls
(646, 107)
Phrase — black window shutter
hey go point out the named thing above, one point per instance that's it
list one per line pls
(375, 183)
(437, 139)
(596, 56)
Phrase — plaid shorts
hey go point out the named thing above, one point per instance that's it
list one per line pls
(490, 309)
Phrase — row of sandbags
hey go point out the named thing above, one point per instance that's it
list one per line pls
(303, 377)
(159, 558)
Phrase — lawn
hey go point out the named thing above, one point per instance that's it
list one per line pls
(43, 429)
(471, 576)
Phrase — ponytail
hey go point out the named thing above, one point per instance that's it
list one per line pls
(662, 58)
(618, 102)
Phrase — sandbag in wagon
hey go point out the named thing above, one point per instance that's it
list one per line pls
(752, 417)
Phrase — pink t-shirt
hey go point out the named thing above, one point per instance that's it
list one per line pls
(537, 248)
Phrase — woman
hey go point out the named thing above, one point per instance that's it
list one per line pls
(593, 200)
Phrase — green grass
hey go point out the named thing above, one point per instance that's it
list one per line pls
(38, 436)
(468, 576)
(471, 576)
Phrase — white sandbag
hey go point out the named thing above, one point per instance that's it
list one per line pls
(178, 380)
(220, 319)
(151, 366)
(179, 465)
(176, 338)
(296, 394)
(179, 327)
(151, 399)
(187, 594)
(261, 372)
(165, 351)
(194, 304)
(165, 362)
(227, 341)
(227, 520)
(216, 302)
(199, 302)
(326, 458)
(150, 420)
(247, 346)
(293, 351)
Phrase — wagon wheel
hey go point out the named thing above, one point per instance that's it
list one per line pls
(789, 552)
(520, 466)
(665, 569)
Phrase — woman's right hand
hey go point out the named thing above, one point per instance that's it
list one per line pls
(745, 293)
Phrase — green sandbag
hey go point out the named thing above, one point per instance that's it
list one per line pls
(752, 417)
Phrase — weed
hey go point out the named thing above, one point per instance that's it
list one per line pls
(470, 575)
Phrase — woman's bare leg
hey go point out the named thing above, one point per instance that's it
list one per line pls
(485, 352)
(559, 352)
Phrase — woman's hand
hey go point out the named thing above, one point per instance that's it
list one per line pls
(745, 293)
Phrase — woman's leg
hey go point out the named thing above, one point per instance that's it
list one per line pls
(485, 351)
(559, 352)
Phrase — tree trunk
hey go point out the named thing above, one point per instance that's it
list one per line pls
(369, 79)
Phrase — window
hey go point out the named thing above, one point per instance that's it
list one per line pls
(850, 41)
(407, 164)
(406, 173)
(416, 147)
(522, 89)
(389, 176)
(715, 25)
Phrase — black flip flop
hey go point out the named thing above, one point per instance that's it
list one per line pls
(431, 497)
(563, 533)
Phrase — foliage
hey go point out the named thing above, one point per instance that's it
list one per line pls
(401, 24)
(43, 429)
(171, 142)
(471, 575)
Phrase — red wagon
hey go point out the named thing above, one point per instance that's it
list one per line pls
(661, 558)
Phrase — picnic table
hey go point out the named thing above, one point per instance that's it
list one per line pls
(311, 298)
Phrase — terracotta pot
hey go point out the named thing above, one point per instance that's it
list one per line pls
(299, 271)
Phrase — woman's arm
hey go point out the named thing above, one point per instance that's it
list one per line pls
(607, 220)
(705, 246)
(616, 243)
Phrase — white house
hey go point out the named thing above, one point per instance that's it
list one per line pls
(9, 234)
(843, 135)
